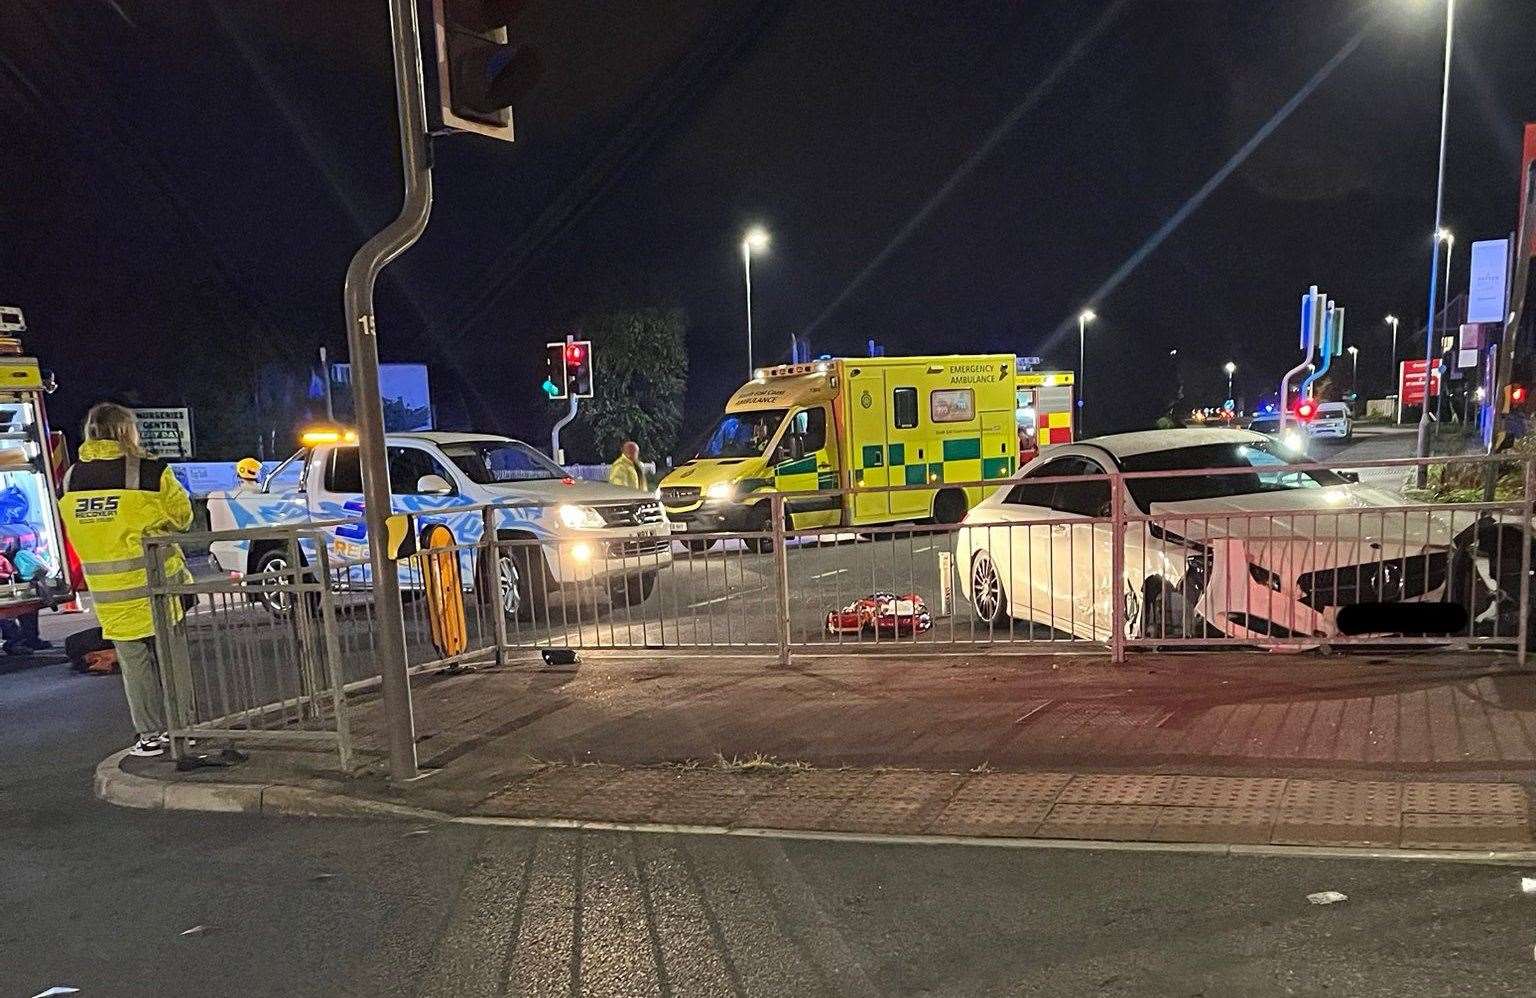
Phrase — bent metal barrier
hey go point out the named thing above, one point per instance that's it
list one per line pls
(1289, 556)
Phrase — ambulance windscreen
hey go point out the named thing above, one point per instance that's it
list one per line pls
(742, 434)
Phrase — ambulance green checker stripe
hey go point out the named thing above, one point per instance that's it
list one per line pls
(956, 451)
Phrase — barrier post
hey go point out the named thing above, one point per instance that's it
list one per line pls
(493, 579)
(1529, 478)
(781, 574)
(1117, 569)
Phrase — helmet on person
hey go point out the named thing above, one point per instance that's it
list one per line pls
(248, 469)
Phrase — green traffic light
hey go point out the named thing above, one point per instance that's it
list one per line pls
(550, 389)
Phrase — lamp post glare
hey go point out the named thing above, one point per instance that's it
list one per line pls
(755, 241)
(1084, 317)
(1422, 448)
(1231, 369)
(1354, 371)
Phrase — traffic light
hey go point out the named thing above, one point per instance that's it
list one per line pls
(556, 376)
(479, 74)
(578, 361)
(1514, 397)
(1305, 409)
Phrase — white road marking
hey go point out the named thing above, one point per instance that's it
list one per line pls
(920, 550)
(825, 575)
(727, 596)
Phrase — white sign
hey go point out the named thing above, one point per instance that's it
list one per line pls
(1487, 288)
(946, 583)
(11, 320)
(166, 433)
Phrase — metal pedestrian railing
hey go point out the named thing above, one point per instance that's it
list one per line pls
(1286, 557)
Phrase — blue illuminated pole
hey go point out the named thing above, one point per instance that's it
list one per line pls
(1422, 449)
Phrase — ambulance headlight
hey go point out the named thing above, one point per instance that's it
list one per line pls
(721, 490)
(580, 517)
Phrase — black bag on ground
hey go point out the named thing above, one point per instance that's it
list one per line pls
(81, 644)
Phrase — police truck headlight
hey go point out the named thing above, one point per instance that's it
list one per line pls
(721, 490)
(580, 517)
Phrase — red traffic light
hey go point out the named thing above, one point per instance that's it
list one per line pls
(1517, 394)
(1306, 409)
(574, 353)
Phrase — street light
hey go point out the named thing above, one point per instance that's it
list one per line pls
(1422, 448)
(756, 239)
(1084, 317)
(1392, 365)
(1445, 236)
(1231, 369)
(1354, 371)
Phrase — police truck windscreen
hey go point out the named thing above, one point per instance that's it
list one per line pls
(742, 434)
(487, 462)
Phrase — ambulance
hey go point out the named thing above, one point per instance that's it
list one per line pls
(856, 423)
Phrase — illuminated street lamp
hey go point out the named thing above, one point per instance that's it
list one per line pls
(1084, 317)
(1231, 369)
(1392, 365)
(755, 240)
(1354, 370)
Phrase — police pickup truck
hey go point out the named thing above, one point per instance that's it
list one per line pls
(588, 532)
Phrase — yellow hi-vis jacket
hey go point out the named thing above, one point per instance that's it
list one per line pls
(627, 473)
(110, 501)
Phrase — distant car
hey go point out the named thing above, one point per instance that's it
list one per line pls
(1333, 419)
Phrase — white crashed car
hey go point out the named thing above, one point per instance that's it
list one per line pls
(1266, 552)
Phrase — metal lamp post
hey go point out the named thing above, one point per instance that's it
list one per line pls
(1083, 318)
(1422, 448)
(1354, 371)
(1445, 236)
(755, 239)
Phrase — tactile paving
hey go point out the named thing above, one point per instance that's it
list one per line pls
(1012, 787)
(1368, 802)
(784, 811)
(1116, 789)
(699, 808)
(1224, 792)
(1465, 831)
(908, 783)
(824, 783)
(1099, 821)
(1465, 798)
(1214, 824)
(993, 818)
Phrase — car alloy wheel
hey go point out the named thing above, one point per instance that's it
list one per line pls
(986, 589)
(511, 591)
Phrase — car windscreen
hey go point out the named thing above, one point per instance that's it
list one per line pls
(486, 462)
(1267, 470)
(741, 434)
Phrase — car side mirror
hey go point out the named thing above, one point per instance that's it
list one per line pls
(433, 485)
(796, 447)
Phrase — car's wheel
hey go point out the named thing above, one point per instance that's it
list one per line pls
(1166, 613)
(632, 591)
(949, 506)
(988, 599)
(698, 545)
(520, 581)
(277, 598)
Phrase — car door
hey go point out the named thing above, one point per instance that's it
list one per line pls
(1081, 569)
(1028, 551)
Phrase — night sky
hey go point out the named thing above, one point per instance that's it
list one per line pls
(183, 183)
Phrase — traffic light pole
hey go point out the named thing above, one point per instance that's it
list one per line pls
(362, 340)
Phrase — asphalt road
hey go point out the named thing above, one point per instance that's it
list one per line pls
(99, 898)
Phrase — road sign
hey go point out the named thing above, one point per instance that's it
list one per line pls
(1487, 288)
(1411, 379)
(166, 433)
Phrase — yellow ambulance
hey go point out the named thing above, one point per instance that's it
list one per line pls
(866, 422)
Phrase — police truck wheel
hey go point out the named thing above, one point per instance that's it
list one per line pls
(700, 544)
(277, 598)
(633, 591)
(521, 581)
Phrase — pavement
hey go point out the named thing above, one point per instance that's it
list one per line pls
(112, 901)
(1416, 752)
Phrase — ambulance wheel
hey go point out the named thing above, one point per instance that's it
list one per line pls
(273, 598)
(949, 506)
(700, 544)
(758, 523)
